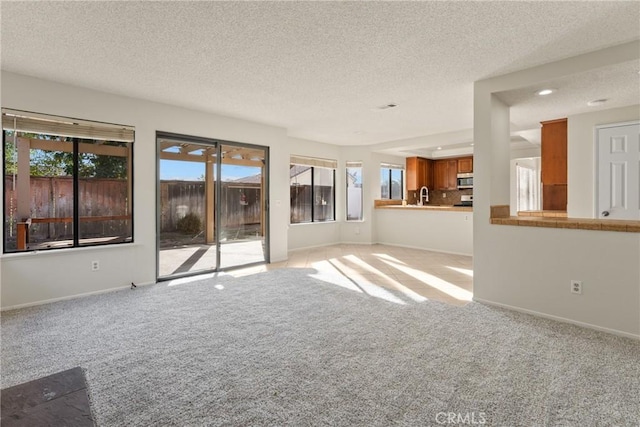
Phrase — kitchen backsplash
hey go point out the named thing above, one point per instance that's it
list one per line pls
(436, 197)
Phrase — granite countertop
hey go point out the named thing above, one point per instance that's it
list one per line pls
(544, 213)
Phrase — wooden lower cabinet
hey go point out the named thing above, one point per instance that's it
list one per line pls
(554, 197)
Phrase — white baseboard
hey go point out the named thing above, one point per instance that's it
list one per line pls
(49, 301)
(324, 245)
(422, 248)
(558, 318)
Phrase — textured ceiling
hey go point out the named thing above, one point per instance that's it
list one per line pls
(318, 69)
(619, 85)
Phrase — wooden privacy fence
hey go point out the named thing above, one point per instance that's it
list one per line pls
(239, 203)
(302, 203)
(103, 209)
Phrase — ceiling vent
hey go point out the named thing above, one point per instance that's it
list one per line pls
(596, 102)
(387, 106)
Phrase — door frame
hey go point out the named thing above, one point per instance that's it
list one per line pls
(264, 202)
(596, 161)
(217, 144)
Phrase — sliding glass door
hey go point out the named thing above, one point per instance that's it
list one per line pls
(211, 205)
(186, 196)
(242, 201)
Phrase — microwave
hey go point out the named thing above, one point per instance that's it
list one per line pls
(465, 180)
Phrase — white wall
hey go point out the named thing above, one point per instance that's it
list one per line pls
(32, 277)
(302, 236)
(366, 231)
(28, 278)
(321, 233)
(529, 268)
(450, 232)
(526, 152)
(581, 156)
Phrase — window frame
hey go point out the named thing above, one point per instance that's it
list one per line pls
(312, 169)
(353, 165)
(388, 167)
(76, 141)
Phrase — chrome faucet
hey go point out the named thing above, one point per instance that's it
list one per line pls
(424, 195)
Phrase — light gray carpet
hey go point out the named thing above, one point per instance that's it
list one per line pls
(283, 348)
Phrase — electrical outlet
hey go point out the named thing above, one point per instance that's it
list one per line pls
(357, 230)
(444, 195)
(95, 265)
(576, 287)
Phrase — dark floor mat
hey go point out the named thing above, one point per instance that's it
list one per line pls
(57, 400)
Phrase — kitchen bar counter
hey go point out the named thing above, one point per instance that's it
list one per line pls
(546, 214)
(431, 227)
(500, 216)
(442, 208)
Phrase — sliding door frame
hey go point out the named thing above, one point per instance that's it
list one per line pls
(217, 144)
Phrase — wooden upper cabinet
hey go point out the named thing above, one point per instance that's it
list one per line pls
(439, 174)
(419, 173)
(465, 165)
(452, 174)
(436, 174)
(428, 174)
(554, 164)
(554, 152)
(445, 174)
(413, 173)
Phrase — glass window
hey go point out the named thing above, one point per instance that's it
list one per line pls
(391, 182)
(396, 184)
(354, 191)
(64, 191)
(323, 195)
(312, 193)
(301, 194)
(104, 192)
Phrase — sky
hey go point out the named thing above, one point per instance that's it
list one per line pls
(194, 171)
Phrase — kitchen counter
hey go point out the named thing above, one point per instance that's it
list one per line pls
(431, 227)
(546, 214)
(558, 219)
(442, 208)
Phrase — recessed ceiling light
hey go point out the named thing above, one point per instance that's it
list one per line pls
(545, 92)
(596, 102)
(471, 144)
(439, 148)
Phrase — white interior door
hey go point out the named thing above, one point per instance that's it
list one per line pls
(619, 172)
